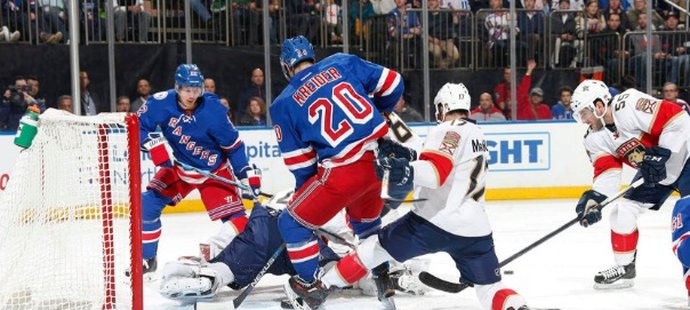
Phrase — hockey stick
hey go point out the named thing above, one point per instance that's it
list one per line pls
(239, 299)
(450, 287)
(210, 175)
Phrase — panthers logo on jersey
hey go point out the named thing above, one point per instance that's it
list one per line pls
(632, 150)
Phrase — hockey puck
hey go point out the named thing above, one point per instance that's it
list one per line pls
(508, 272)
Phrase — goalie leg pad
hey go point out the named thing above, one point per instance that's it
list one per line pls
(191, 279)
(183, 288)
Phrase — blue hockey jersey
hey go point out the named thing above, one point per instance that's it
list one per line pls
(680, 227)
(202, 138)
(326, 115)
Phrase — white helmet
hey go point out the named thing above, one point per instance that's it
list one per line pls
(451, 97)
(586, 95)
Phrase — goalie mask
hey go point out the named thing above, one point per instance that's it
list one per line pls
(585, 97)
(451, 97)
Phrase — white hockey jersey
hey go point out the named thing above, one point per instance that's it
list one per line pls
(641, 121)
(450, 174)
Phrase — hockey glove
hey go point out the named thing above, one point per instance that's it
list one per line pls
(252, 181)
(159, 149)
(390, 148)
(588, 208)
(653, 164)
(401, 176)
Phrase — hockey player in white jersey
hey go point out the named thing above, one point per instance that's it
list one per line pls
(450, 174)
(643, 132)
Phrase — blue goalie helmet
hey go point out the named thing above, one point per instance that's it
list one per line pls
(189, 75)
(294, 51)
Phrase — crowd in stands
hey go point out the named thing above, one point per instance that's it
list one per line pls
(250, 108)
(551, 34)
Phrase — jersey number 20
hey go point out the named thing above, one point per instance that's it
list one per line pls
(344, 97)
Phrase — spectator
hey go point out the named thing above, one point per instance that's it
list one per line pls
(671, 95)
(406, 113)
(64, 103)
(122, 104)
(603, 48)
(35, 92)
(665, 8)
(531, 25)
(536, 109)
(53, 13)
(566, 44)
(89, 104)
(14, 14)
(6, 35)
(615, 7)
(137, 12)
(226, 103)
(502, 93)
(92, 27)
(675, 44)
(486, 111)
(143, 91)
(562, 109)
(255, 88)
(360, 13)
(13, 103)
(592, 21)
(332, 21)
(255, 114)
(623, 5)
(531, 107)
(639, 46)
(201, 10)
(209, 85)
(497, 25)
(303, 18)
(382, 7)
(404, 29)
(245, 21)
(441, 36)
(640, 7)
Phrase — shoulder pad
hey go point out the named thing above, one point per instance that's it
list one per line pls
(160, 95)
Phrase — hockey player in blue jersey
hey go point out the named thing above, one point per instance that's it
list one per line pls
(680, 227)
(450, 174)
(195, 131)
(327, 128)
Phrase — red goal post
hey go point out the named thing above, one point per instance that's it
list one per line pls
(70, 217)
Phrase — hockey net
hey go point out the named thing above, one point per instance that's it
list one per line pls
(70, 217)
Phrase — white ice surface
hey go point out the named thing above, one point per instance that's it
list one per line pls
(557, 274)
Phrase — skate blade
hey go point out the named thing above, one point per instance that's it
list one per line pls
(388, 303)
(620, 284)
(292, 299)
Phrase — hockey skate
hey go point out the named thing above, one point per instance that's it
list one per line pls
(149, 267)
(306, 296)
(616, 277)
(385, 288)
(405, 281)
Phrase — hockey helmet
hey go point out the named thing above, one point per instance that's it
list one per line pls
(451, 97)
(189, 75)
(586, 95)
(294, 51)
